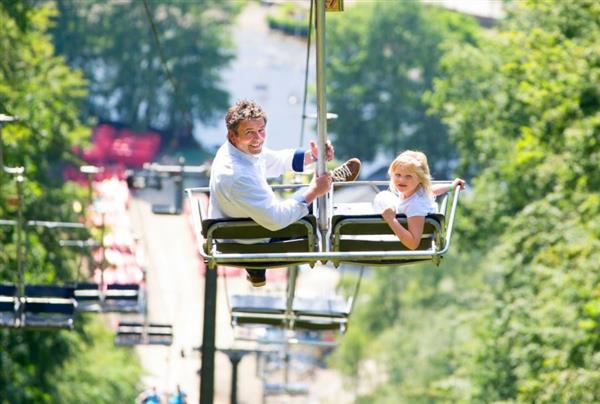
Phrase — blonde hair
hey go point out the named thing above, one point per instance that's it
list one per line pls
(415, 162)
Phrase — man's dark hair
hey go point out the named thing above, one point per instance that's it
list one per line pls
(241, 111)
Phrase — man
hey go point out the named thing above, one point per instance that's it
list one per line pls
(238, 179)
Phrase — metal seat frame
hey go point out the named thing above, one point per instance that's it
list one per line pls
(271, 255)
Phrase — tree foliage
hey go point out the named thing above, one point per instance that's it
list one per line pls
(521, 322)
(114, 45)
(381, 59)
(45, 94)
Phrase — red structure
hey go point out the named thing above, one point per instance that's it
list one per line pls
(116, 150)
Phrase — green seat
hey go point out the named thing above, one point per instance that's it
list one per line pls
(235, 236)
(369, 232)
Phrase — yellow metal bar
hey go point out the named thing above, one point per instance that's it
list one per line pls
(334, 5)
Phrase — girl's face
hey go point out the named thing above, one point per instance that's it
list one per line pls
(405, 180)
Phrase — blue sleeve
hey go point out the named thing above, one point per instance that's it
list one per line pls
(298, 161)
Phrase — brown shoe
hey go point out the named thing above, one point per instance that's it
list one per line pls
(256, 277)
(346, 172)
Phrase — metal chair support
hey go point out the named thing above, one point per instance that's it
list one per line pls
(245, 257)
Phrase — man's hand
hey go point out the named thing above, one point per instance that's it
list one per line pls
(312, 154)
(319, 185)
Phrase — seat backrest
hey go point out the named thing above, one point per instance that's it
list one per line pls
(87, 286)
(49, 291)
(123, 286)
(257, 304)
(7, 289)
(244, 228)
(49, 307)
(127, 294)
(130, 325)
(375, 225)
(335, 307)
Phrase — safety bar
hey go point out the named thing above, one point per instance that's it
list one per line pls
(43, 223)
(213, 260)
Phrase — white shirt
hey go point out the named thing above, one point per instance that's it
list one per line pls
(239, 188)
(418, 204)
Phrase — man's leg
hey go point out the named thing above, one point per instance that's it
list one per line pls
(257, 277)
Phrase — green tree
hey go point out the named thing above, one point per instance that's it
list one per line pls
(39, 88)
(526, 117)
(382, 58)
(515, 317)
(130, 82)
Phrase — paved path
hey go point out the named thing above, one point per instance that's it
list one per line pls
(175, 287)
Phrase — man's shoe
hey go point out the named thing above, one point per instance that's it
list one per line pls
(346, 172)
(257, 277)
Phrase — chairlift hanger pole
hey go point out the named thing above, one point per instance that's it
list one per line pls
(9, 170)
(21, 287)
(323, 221)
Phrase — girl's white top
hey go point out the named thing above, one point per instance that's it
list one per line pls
(418, 204)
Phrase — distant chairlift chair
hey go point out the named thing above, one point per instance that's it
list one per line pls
(138, 333)
(9, 305)
(307, 313)
(48, 306)
(116, 298)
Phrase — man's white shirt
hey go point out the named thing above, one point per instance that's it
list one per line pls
(239, 188)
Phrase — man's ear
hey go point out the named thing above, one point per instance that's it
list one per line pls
(231, 136)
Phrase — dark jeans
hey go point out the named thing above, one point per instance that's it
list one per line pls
(256, 273)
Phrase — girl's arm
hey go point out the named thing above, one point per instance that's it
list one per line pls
(410, 237)
(442, 188)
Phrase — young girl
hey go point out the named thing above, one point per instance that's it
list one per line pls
(410, 193)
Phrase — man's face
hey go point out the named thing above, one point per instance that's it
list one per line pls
(250, 136)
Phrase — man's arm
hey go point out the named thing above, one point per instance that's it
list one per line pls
(257, 201)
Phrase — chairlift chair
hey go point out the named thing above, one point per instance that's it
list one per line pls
(356, 236)
(228, 238)
(9, 305)
(116, 298)
(307, 313)
(122, 298)
(88, 297)
(291, 389)
(100, 297)
(38, 306)
(274, 335)
(48, 306)
(138, 333)
(358, 230)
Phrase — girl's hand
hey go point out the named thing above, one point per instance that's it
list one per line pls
(388, 214)
(458, 182)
